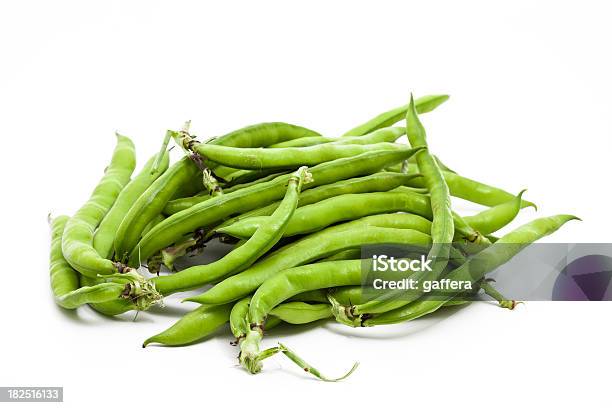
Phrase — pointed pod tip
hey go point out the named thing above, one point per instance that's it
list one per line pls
(525, 203)
(567, 217)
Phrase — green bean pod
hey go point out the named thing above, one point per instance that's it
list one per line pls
(239, 321)
(262, 134)
(239, 324)
(110, 308)
(388, 134)
(312, 296)
(148, 206)
(194, 184)
(104, 236)
(156, 220)
(442, 227)
(211, 212)
(346, 295)
(112, 295)
(245, 255)
(496, 217)
(389, 118)
(241, 176)
(77, 240)
(330, 211)
(252, 183)
(343, 255)
(99, 293)
(300, 312)
(478, 266)
(471, 190)
(195, 325)
(303, 142)
(395, 221)
(384, 135)
(64, 278)
(259, 135)
(281, 158)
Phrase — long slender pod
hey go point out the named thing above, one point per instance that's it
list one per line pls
(64, 278)
(77, 240)
(195, 325)
(104, 236)
(389, 118)
(496, 217)
(281, 158)
(471, 190)
(262, 134)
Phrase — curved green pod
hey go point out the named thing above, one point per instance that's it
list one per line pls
(471, 190)
(104, 236)
(495, 218)
(77, 240)
(282, 158)
(194, 326)
(111, 308)
(64, 278)
(262, 134)
(389, 118)
(301, 312)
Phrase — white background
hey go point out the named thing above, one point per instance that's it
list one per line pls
(530, 108)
